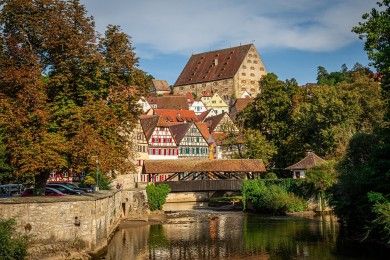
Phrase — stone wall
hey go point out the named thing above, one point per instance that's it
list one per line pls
(88, 218)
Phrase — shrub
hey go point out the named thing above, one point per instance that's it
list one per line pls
(270, 176)
(12, 245)
(157, 195)
(271, 198)
(103, 181)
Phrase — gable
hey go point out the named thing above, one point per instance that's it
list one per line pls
(213, 65)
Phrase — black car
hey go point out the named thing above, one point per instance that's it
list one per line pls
(65, 189)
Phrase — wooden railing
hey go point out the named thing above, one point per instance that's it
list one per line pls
(204, 185)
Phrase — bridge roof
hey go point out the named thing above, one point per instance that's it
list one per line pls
(202, 165)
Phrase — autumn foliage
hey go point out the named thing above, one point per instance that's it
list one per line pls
(67, 96)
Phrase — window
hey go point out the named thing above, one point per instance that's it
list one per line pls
(159, 151)
(197, 150)
(250, 55)
(252, 74)
(252, 82)
(261, 68)
(181, 88)
(249, 61)
(243, 66)
(197, 139)
(252, 68)
(243, 81)
(255, 61)
(243, 74)
(153, 151)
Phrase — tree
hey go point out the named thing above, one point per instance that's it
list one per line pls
(66, 99)
(271, 114)
(257, 146)
(375, 29)
(323, 177)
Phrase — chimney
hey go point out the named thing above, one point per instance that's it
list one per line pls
(215, 61)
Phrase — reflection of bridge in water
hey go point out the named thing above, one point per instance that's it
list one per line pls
(185, 175)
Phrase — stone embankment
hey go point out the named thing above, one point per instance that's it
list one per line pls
(74, 221)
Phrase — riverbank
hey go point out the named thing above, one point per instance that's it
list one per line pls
(68, 224)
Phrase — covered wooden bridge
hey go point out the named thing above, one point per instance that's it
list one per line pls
(203, 174)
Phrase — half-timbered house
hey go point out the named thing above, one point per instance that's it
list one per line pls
(190, 140)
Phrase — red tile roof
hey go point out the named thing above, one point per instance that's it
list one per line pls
(190, 97)
(202, 116)
(203, 129)
(179, 131)
(160, 85)
(241, 103)
(308, 162)
(171, 102)
(202, 165)
(176, 116)
(148, 124)
(213, 65)
(213, 121)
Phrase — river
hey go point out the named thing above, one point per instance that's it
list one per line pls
(205, 234)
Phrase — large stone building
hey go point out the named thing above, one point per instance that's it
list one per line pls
(228, 72)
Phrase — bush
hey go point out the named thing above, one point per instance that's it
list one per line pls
(103, 181)
(157, 195)
(12, 245)
(270, 176)
(271, 198)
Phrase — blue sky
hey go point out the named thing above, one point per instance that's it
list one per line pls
(292, 36)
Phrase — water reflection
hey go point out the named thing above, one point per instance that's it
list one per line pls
(228, 236)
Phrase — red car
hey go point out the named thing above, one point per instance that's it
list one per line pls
(48, 192)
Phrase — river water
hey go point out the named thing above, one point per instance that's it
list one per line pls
(202, 234)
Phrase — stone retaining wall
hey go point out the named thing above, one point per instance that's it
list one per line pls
(88, 218)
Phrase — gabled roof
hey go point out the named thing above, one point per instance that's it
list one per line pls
(213, 121)
(202, 116)
(202, 165)
(190, 97)
(160, 85)
(148, 124)
(179, 131)
(213, 65)
(241, 103)
(203, 129)
(308, 162)
(172, 102)
(176, 115)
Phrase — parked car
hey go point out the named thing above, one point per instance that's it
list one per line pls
(9, 190)
(74, 186)
(48, 192)
(65, 189)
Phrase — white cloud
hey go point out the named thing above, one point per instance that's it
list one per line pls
(169, 26)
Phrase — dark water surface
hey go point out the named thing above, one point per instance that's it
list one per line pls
(235, 235)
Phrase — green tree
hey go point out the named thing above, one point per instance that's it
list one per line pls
(257, 146)
(375, 30)
(323, 177)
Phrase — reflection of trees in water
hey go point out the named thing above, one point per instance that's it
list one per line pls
(289, 237)
(227, 235)
(128, 243)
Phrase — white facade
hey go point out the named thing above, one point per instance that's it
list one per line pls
(198, 107)
(162, 146)
(143, 103)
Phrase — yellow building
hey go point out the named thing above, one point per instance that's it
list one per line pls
(216, 104)
(229, 72)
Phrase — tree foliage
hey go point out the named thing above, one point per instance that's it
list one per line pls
(316, 117)
(66, 96)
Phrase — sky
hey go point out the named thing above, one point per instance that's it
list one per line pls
(293, 37)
